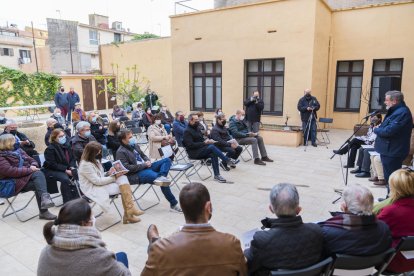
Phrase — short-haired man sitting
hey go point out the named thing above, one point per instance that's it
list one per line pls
(82, 137)
(239, 130)
(225, 142)
(197, 249)
(289, 243)
(141, 170)
(356, 231)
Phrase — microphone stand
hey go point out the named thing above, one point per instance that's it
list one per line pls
(347, 144)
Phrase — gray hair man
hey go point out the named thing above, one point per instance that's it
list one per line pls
(394, 134)
(25, 144)
(289, 243)
(356, 230)
(81, 139)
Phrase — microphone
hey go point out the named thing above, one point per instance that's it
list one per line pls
(372, 114)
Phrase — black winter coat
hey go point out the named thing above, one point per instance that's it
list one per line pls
(193, 141)
(113, 143)
(98, 131)
(221, 135)
(254, 109)
(126, 155)
(55, 158)
(303, 105)
(288, 244)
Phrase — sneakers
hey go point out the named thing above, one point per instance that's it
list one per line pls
(162, 181)
(232, 163)
(47, 216)
(176, 209)
(224, 166)
(258, 161)
(220, 179)
(46, 201)
(267, 159)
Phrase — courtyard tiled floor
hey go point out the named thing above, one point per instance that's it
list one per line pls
(237, 207)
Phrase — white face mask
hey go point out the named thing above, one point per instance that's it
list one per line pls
(58, 114)
(241, 118)
(1, 118)
(157, 122)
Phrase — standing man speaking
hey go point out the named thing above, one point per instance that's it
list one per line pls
(254, 108)
(308, 105)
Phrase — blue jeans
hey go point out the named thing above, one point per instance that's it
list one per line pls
(312, 129)
(211, 151)
(122, 258)
(167, 128)
(157, 169)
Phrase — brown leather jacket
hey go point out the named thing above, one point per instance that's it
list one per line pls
(197, 251)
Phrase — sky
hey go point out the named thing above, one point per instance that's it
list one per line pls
(139, 16)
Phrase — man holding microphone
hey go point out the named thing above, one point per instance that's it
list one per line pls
(308, 105)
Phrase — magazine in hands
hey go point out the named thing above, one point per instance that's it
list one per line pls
(119, 168)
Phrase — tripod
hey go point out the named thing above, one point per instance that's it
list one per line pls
(347, 143)
(307, 130)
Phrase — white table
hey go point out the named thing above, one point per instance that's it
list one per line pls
(31, 111)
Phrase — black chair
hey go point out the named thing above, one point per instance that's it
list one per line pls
(406, 244)
(130, 124)
(123, 119)
(321, 268)
(360, 265)
(324, 131)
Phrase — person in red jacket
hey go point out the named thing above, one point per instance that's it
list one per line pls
(400, 216)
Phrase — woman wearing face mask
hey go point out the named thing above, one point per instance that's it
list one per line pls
(78, 114)
(158, 137)
(98, 185)
(17, 165)
(59, 162)
(57, 115)
(97, 129)
(118, 112)
(147, 119)
(113, 141)
(75, 247)
(166, 118)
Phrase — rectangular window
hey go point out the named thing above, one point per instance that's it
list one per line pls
(205, 85)
(348, 86)
(6, 52)
(267, 76)
(93, 37)
(25, 56)
(117, 37)
(383, 68)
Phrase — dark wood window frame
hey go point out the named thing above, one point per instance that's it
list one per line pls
(348, 74)
(203, 75)
(386, 73)
(260, 75)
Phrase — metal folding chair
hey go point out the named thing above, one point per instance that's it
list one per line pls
(14, 211)
(246, 150)
(198, 164)
(324, 131)
(136, 199)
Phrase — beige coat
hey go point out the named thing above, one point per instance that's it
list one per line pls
(156, 134)
(95, 185)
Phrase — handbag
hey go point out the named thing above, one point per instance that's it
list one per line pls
(8, 186)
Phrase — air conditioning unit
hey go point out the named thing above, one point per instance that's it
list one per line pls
(117, 25)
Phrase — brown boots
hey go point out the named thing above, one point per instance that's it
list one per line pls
(130, 210)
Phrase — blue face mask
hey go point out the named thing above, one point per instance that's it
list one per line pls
(132, 141)
(62, 140)
(87, 133)
(94, 120)
(16, 146)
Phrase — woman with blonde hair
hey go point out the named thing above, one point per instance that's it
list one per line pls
(98, 185)
(399, 215)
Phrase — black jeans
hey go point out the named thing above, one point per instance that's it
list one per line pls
(66, 189)
(37, 183)
(353, 146)
(232, 153)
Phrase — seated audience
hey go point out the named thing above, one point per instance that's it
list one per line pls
(218, 111)
(81, 139)
(167, 118)
(16, 164)
(138, 113)
(25, 144)
(75, 246)
(179, 126)
(141, 170)
(358, 141)
(147, 119)
(239, 130)
(98, 185)
(113, 132)
(97, 129)
(225, 142)
(3, 118)
(203, 127)
(199, 148)
(158, 137)
(78, 114)
(399, 216)
(356, 231)
(57, 115)
(118, 112)
(59, 162)
(289, 243)
(50, 123)
(363, 168)
(197, 249)
(378, 171)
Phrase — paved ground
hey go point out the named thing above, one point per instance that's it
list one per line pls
(238, 207)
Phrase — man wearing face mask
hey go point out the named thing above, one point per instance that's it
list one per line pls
(394, 134)
(308, 105)
(179, 126)
(22, 140)
(239, 130)
(62, 101)
(195, 238)
(81, 139)
(151, 99)
(97, 129)
(225, 142)
(138, 113)
(254, 108)
(73, 98)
